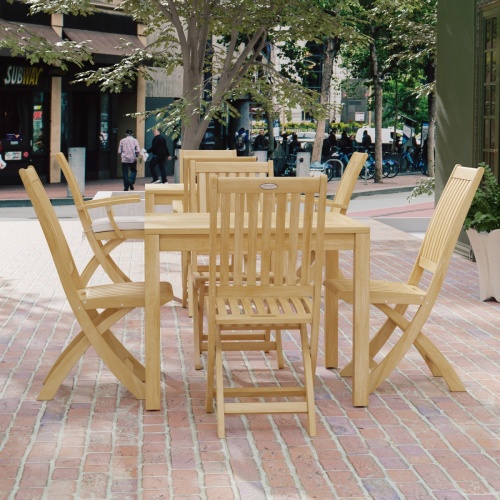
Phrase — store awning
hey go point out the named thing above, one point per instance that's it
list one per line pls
(24, 31)
(104, 43)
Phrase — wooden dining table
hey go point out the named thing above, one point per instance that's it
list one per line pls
(190, 232)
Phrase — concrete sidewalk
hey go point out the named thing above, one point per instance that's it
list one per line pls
(58, 193)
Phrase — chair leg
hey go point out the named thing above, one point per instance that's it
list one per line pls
(308, 381)
(219, 388)
(438, 364)
(199, 292)
(209, 403)
(184, 277)
(392, 359)
(103, 258)
(60, 369)
(279, 349)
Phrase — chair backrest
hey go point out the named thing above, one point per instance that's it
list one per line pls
(84, 215)
(58, 245)
(274, 228)
(206, 154)
(345, 188)
(445, 225)
(218, 159)
(199, 175)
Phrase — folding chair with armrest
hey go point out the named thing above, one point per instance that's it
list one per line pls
(115, 300)
(104, 234)
(433, 259)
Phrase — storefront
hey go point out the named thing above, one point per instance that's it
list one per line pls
(44, 112)
(24, 120)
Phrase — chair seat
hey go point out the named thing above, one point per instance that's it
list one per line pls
(268, 306)
(381, 292)
(124, 222)
(129, 294)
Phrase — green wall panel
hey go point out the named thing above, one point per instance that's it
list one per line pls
(455, 87)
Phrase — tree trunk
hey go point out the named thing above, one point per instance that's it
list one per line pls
(431, 103)
(377, 90)
(331, 48)
(430, 73)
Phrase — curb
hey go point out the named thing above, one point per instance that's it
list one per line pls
(69, 201)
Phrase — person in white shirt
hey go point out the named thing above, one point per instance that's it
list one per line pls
(129, 150)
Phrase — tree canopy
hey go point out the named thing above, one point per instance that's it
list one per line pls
(219, 44)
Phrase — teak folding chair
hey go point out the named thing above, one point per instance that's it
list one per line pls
(193, 154)
(197, 191)
(200, 173)
(113, 300)
(187, 158)
(432, 261)
(103, 234)
(260, 230)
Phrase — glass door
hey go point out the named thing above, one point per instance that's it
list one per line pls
(490, 89)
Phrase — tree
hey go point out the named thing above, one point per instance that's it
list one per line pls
(218, 44)
(414, 28)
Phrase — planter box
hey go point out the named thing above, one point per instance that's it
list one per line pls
(486, 247)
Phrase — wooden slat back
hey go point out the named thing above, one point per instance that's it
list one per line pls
(264, 229)
(84, 215)
(447, 220)
(58, 245)
(219, 160)
(199, 174)
(347, 182)
(186, 154)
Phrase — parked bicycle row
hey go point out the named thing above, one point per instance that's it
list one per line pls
(334, 165)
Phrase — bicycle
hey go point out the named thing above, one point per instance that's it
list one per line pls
(390, 168)
(411, 166)
(327, 168)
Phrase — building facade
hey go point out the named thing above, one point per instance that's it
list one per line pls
(44, 112)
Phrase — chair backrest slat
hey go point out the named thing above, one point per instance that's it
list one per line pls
(347, 182)
(199, 174)
(274, 228)
(56, 240)
(446, 223)
(202, 154)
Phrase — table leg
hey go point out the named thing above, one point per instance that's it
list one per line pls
(361, 315)
(152, 320)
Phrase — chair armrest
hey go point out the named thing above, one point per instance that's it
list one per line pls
(108, 203)
(112, 200)
(341, 206)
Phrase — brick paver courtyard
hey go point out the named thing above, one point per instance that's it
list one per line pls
(96, 441)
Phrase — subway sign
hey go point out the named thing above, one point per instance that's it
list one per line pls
(22, 75)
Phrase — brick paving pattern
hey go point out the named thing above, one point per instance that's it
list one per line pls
(96, 441)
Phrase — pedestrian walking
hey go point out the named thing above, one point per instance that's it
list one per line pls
(160, 153)
(129, 150)
(240, 141)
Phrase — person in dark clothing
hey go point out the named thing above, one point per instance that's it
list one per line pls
(261, 142)
(160, 153)
(240, 140)
(366, 141)
(326, 149)
(294, 144)
(345, 143)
